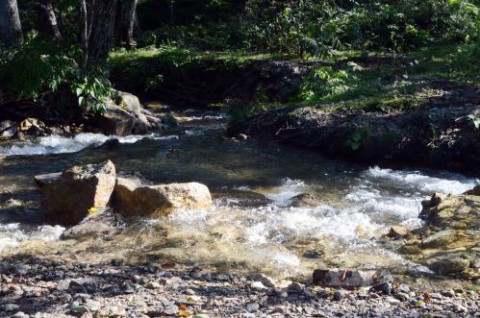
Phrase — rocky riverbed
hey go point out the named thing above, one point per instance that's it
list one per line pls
(281, 212)
(34, 287)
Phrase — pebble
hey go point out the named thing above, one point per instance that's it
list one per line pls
(459, 308)
(338, 295)
(11, 307)
(105, 295)
(251, 307)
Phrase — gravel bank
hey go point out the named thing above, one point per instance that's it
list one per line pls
(34, 287)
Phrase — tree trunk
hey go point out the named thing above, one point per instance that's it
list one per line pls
(102, 17)
(10, 26)
(83, 27)
(125, 22)
(48, 24)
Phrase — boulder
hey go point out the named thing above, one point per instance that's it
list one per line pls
(133, 198)
(126, 116)
(448, 244)
(31, 126)
(79, 190)
(344, 278)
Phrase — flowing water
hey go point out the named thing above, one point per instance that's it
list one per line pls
(252, 225)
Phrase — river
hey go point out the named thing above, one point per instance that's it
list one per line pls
(251, 226)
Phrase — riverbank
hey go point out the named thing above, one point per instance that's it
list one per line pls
(440, 133)
(33, 287)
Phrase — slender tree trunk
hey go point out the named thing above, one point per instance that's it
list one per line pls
(48, 24)
(10, 25)
(172, 12)
(83, 27)
(126, 22)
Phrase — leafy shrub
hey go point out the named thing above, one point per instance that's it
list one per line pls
(40, 66)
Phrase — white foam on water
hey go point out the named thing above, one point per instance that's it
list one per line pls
(451, 184)
(58, 144)
(12, 234)
(286, 191)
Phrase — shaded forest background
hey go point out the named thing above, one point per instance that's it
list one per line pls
(61, 53)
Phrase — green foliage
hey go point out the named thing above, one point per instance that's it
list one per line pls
(40, 66)
(92, 90)
(34, 67)
(357, 139)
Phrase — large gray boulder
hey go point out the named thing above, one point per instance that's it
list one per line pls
(78, 191)
(132, 198)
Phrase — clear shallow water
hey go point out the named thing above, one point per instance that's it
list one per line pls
(244, 230)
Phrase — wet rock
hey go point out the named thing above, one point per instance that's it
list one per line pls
(8, 129)
(305, 200)
(398, 232)
(70, 198)
(242, 137)
(100, 226)
(131, 198)
(448, 265)
(252, 307)
(338, 295)
(474, 191)
(295, 288)
(10, 307)
(31, 126)
(344, 278)
(439, 239)
(48, 178)
(264, 279)
(169, 120)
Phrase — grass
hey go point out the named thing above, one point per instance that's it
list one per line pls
(349, 81)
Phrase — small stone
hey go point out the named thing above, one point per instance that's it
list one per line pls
(257, 286)
(252, 307)
(402, 296)
(448, 293)
(242, 137)
(153, 285)
(338, 295)
(459, 308)
(20, 314)
(264, 279)
(11, 307)
(170, 310)
(392, 301)
(92, 305)
(398, 232)
(190, 291)
(223, 277)
(295, 288)
(404, 288)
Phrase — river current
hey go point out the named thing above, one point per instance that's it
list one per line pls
(243, 231)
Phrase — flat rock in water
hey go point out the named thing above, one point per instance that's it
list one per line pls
(71, 197)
